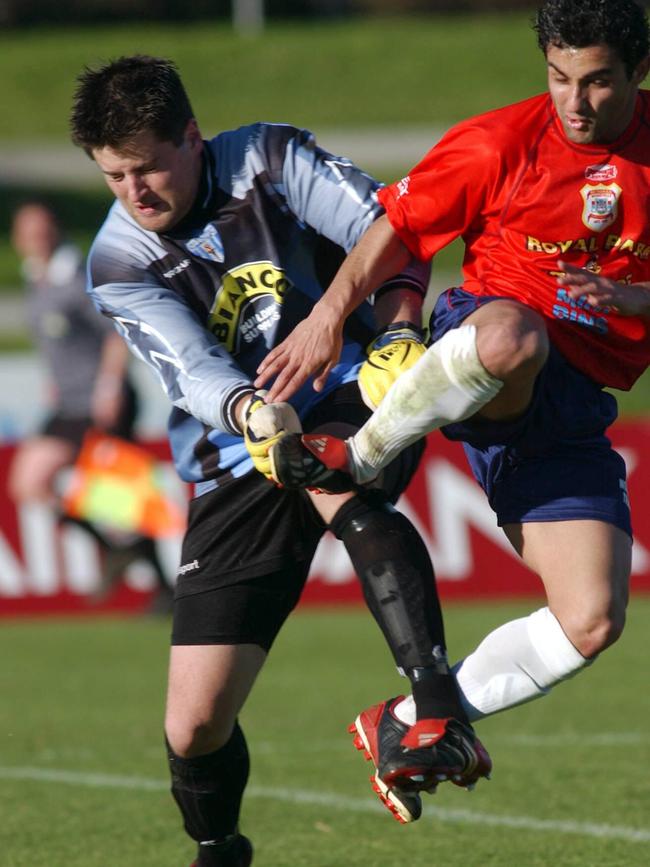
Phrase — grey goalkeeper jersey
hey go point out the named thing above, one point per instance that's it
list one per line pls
(203, 304)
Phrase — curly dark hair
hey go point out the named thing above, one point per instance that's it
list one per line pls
(621, 24)
(130, 95)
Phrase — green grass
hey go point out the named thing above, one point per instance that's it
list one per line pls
(348, 73)
(87, 698)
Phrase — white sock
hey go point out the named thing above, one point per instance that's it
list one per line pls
(448, 383)
(516, 663)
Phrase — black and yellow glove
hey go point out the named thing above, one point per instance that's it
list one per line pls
(264, 425)
(393, 351)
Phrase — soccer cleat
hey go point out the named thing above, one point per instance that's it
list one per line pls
(315, 461)
(238, 852)
(459, 755)
(418, 758)
(406, 806)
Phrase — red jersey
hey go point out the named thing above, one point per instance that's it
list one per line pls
(522, 196)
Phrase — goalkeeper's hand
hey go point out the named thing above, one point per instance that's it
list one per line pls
(393, 351)
(264, 424)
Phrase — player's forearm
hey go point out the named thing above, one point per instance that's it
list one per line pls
(379, 255)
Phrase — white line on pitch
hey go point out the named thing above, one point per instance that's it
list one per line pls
(331, 800)
(576, 739)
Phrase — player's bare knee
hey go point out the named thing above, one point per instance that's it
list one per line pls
(188, 739)
(514, 346)
(593, 635)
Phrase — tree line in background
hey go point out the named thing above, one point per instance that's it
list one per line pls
(21, 13)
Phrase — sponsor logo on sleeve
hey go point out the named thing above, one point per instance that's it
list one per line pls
(177, 269)
(403, 186)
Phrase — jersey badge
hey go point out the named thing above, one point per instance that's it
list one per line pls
(600, 205)
(208, 245)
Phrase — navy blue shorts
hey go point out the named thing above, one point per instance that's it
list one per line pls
(555, 462)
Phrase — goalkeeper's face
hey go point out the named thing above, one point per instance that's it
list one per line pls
(156, 181)
(592, 92)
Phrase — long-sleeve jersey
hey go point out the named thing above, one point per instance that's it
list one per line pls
(522, 196)
(204, 303)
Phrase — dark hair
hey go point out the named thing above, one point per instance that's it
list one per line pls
(126, 97)
(620, 24)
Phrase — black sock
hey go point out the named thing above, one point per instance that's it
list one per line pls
(233, 852)
(208, 789)
(399, 587)
(435, 694)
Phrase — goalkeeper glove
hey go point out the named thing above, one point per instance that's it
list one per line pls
(264, 425)
(393, 351)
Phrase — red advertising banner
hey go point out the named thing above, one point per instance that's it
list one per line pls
(49, 567)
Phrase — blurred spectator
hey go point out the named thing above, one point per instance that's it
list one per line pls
(89, 386)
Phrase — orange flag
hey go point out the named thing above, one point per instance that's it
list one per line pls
(117, 483)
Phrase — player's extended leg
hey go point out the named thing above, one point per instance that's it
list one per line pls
(208, 757)
(487, 366)
(585, 567)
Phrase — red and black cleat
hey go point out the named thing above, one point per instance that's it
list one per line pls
(458, 755)
(315, 461)
(373, 736)
(412, 759)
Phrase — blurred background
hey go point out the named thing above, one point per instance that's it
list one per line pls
(375, 80)
(378, 81)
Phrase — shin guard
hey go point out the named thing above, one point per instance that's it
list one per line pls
(399, 587)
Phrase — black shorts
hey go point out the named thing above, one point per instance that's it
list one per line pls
(249, 545)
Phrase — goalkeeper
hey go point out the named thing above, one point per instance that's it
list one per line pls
(211, 254)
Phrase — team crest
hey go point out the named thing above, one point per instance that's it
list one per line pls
(600, 207)
(208, 245)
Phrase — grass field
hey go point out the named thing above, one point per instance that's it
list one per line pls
(347, 73)
(83, 782)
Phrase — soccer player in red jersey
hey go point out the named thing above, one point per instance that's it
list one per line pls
(551, 199)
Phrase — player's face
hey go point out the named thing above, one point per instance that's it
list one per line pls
(591, 91)
(156, 181)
